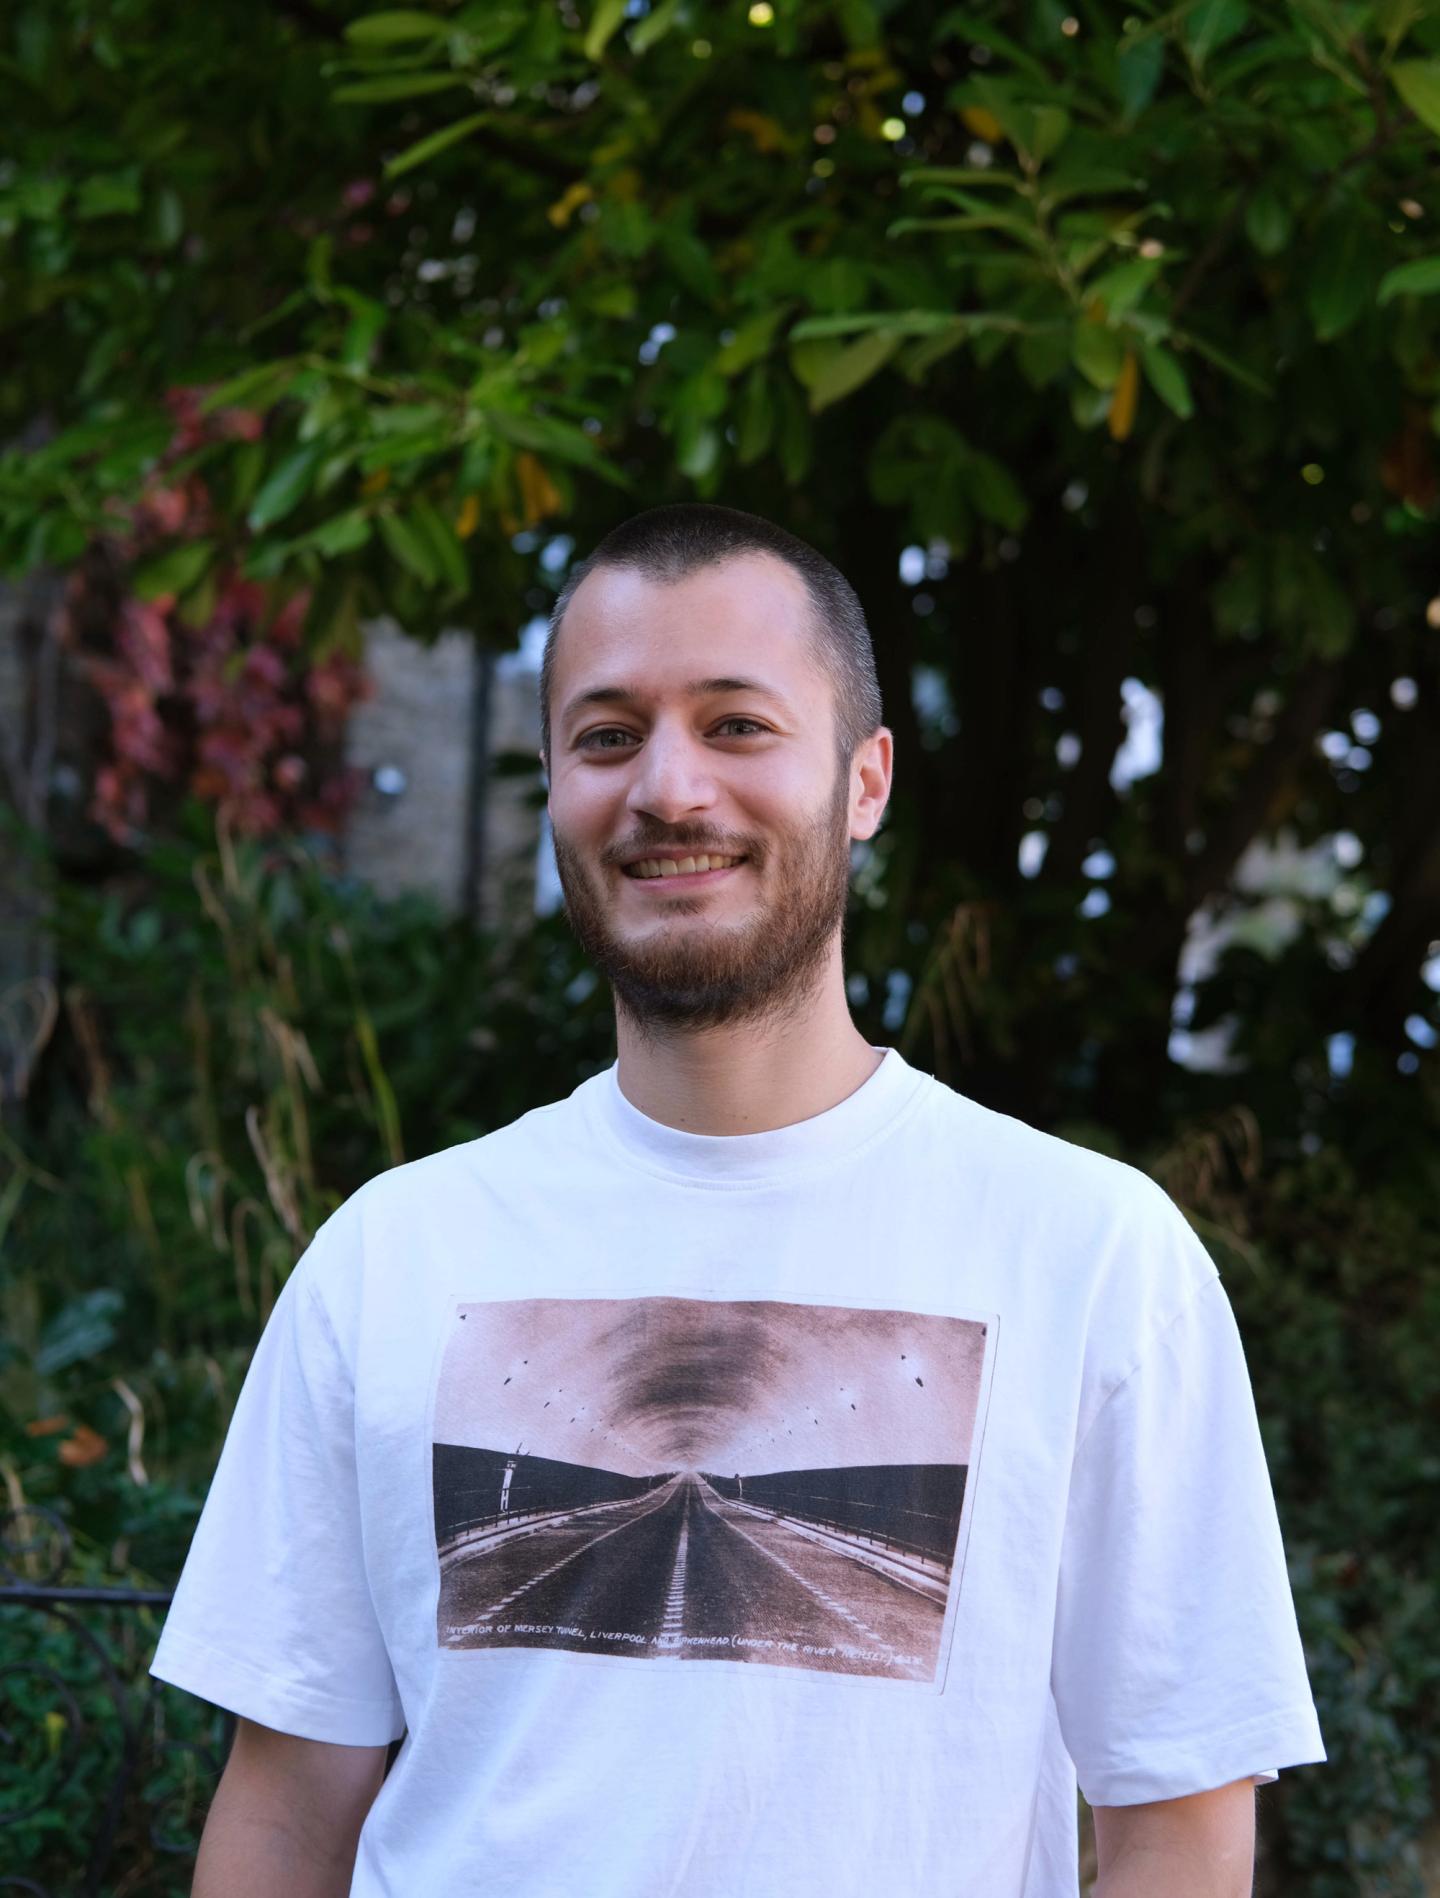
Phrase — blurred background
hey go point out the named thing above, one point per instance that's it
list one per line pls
(1100, 350)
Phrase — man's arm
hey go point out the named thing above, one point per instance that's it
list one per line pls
(286, 1818)
(1202, 1846)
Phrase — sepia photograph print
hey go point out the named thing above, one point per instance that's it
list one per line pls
(694, 1479)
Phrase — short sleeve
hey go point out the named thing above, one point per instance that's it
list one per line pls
(1177, 1665)
(272, 1617)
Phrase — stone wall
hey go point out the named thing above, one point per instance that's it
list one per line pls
(433, 815)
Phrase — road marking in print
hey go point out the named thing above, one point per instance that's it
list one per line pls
(835, 1607)
(508, 1601)
(673, 1626)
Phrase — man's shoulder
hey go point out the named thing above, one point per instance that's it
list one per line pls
(532, 1140)
(1010, 1154)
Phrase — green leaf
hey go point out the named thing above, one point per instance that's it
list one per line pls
(441, 141)
(755, 424)
(409, 547)
(344, 534)
(1051, 124)
(1339, 284)
(1098, 353)
(1247, 378)
(751, 341)
(82, 1329)
(795, 438)
(893, 323)
(1418, 83)
(1307, 597)
(285, 486)
(605, 22)
(994, 490)
(1210, 24)
(1138, 66)
(1168, 379)
(114, 194)
(174, 571)
(257, 388)
(645, 33)
(1121, 289)
(1395, 18)
(697, 446)
(831, 371)
(389, 29)
(1268, 223)
(549, 436)
(413, 85)
(367, 319)
(444, 544)
(1419, 278)
(164, 219)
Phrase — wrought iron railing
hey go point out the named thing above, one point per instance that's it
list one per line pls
(88, 1791)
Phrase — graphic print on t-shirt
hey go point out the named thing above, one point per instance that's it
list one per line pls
(693, 1479)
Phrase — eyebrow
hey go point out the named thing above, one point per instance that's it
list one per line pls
(695, 689)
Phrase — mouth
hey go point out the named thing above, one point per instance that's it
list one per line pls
(688, 872)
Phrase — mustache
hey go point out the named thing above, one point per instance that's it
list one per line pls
(687, 839)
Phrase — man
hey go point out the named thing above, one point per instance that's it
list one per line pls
(764, 1473)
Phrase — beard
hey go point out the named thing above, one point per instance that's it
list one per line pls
(718, 974)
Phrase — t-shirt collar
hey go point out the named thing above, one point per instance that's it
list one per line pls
(755, 1159)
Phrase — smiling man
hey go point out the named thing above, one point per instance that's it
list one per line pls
(765, 1473)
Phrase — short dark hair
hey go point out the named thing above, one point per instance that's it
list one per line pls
(668, 543)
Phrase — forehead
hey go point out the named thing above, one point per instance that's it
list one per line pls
(750, 616)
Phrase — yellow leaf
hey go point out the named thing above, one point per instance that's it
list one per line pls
(983, 124)
(565, 206)
(767, 133)
(538, 494)
(468, 519)
(1122, 402)
(87, 1446)
(376, 483)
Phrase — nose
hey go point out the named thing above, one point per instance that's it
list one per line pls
(672, 778)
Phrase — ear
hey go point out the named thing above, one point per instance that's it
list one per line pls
(871, 770)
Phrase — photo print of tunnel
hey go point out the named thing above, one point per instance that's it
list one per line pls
(688, 1479)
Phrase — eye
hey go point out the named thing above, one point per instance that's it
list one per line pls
(589, 741)
(738, 718)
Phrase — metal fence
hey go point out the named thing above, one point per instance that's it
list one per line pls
(88, 1768)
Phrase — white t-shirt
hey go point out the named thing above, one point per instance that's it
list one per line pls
(727, 1517)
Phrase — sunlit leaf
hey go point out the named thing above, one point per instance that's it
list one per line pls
(830, 370)
(396, 26)
(285, 486)
(1418, 83)
(174, 571)
(427, 148)
(1167, 378)
(605, 22)
(396, 86)
(409, 547)
(1418, 278)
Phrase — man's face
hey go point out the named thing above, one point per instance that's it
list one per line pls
(658, 771)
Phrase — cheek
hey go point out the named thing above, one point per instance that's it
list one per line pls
(581, 809)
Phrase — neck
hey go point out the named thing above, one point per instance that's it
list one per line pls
(750, 1078)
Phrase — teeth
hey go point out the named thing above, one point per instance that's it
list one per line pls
(679, 866)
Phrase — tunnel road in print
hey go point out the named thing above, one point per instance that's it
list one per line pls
(692, 1479)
